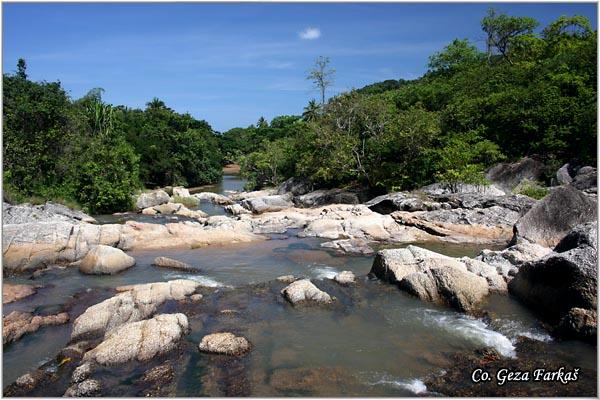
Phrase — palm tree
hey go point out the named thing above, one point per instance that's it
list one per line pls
(156, 104)
(311, 111)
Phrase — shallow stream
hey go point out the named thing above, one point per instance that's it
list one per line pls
(375, 341)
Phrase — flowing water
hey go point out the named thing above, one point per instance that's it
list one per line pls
(374, 341)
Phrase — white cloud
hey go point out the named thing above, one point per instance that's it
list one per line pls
(310, 33)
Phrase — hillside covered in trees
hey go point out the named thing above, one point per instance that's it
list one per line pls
(529, 94)
(533, 92)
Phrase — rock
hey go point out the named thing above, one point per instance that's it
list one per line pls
(151, 199)
(105, 260)
(25, 381)
(399, 201)
(508, 175)
(236, 209)
(345, 278)
(325, 197)
(81, 373)
(213, 198)
(585, 179)
(445, 189)
(304, 291)
(18, 323)
(507, 261)
(560, 281)
(49, 212)
(87, 388)
(584, 235)
(136, 303)
(168, 208)
(196, 297)
(286, 278)
(253, 195)
(579, 324)
(165, 262)
(15, 292)
(224, 343)
(436, 277)
(472, 201)
(181, 192)
(295, 186)
(259, 205)
(140, 341)
(562, 175)
(149, 211)
(555, 215)
(355, 246)
(479, 225)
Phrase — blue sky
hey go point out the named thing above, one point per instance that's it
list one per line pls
(232, 63)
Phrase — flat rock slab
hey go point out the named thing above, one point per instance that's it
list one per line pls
(15, 292)
(224, 343)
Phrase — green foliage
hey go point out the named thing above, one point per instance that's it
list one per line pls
(189, 202)
(91, 153)
(534, 94)
(532, 189)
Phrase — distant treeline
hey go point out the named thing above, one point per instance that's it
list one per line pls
(89, 153)
(527, 94)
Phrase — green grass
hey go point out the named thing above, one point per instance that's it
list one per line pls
(531, 189)
(186, 201)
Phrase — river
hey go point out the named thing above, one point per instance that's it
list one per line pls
(377, 342)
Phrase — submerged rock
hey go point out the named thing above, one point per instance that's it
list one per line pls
(345, 278)
(355, 246)
(286, 278)
(304, 291)
(18, 323)
(140, 341)
(15, 292)
(103, 259)
(151, 199)
(551, 218)
(166, 262)
(224, 343)
(136, 303)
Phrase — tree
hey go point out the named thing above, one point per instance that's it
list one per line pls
(311, 111)
(502, 29)
(459, 53)
(22, 69)
(262, 123)
(321, 76)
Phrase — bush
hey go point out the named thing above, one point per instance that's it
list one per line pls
(532, 189)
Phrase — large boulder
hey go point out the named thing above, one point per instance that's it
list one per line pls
(459, 283)
(400, 201)
(325, 197)
(140, 341)
(105, 260)
(259, 205)
(555, 215)
(181, 192)
(580, 324)
(585, 179)
(236, 209)
(151, 199)
(562, 280)
(135, 303)
(563, 177)
(507, 261)
(508, 175)
(304, 291)
(295, 186)
(224, 343)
